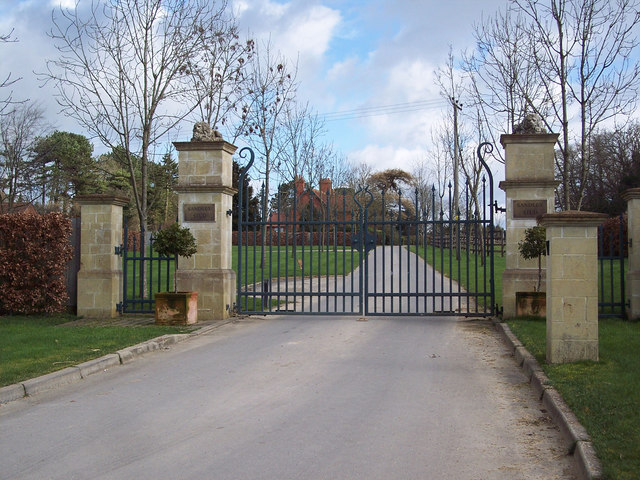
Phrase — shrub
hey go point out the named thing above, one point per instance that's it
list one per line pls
(533, 246)
(34, 251)
(175, 241)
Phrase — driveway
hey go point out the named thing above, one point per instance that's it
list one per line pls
(296, 397)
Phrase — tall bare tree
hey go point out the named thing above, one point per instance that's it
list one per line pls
(220, 76)
(502, 82)
(123, 73)
(298, 138)
(450, 81)
(272, 88)
(563, 53)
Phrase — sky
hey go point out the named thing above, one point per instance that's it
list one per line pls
(352, 55)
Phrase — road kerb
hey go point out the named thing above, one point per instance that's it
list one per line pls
(11, 393)
(578, 441)
(52, 380)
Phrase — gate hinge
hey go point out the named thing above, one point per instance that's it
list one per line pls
(119, 249)
(119, 306)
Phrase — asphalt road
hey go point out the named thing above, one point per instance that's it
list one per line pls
(296, 398)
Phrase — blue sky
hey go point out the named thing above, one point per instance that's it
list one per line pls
(352, 54)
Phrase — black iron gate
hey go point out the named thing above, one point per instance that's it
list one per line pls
(145, 273)
(344, 251)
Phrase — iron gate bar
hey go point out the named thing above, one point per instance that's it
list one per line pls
(141, 265)
(616, 307)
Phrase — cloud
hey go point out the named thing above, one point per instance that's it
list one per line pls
(383, 157)
(297, 29)
(63, 4)
(311, 31)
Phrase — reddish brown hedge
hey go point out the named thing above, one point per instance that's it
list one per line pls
(34, 251)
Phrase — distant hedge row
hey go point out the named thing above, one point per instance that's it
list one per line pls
(34, 251)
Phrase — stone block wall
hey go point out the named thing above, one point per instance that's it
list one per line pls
(572, 286)
(100, 274)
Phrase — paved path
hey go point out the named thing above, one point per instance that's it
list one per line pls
(391, 273)
(296, 398)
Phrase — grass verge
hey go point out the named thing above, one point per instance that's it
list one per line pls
(472, 273)
(604, 395)
(31, 346)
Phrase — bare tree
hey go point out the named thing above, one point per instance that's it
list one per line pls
(272, 88)
(7, 81)
(19, 130)
(123, 73)
(607, 76)
(441, 158)
(557, 54)
(220, 75)
(358, 175)
(502, 82)
(450, 82)
(298, 140)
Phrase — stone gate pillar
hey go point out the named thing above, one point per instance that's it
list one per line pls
(100, 274)
(205, 193)
(572, 285)
(530, 192)
(632, 196)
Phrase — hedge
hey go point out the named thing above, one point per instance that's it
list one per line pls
(34, 250)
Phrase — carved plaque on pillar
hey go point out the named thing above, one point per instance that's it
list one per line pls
(199, 212)
(529, 208)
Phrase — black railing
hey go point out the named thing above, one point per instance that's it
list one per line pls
(612, 267)
(144, 273)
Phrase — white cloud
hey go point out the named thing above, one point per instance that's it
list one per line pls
(297, 29)
(383, 157)
(63, 3)
(310, 32)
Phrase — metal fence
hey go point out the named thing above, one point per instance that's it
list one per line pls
(612, 267)
(145, 272)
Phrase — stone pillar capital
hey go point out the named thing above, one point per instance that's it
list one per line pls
(510, 138)
(572, 218)
(205, 146)
(631, 194)
(101, 199)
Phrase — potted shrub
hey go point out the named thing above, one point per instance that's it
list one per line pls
(176, 308)
(533, 246)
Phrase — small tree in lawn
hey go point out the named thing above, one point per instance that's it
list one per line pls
(533, 246)
(175, 241)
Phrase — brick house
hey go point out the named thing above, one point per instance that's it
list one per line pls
(321, 200)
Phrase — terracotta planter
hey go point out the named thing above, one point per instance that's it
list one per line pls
(531, 304)
(180, 308)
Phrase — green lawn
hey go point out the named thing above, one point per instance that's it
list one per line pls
(285, 262)
(609, 281)
(470, 272)
(605, 395)
(159, 277)
(31, 346)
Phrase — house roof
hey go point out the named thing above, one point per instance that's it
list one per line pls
(18, 207)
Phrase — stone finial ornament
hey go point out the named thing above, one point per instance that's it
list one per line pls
(531, 124)
(202, 132)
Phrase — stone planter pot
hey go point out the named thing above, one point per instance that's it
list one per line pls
(179, 308)
(531, 304)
